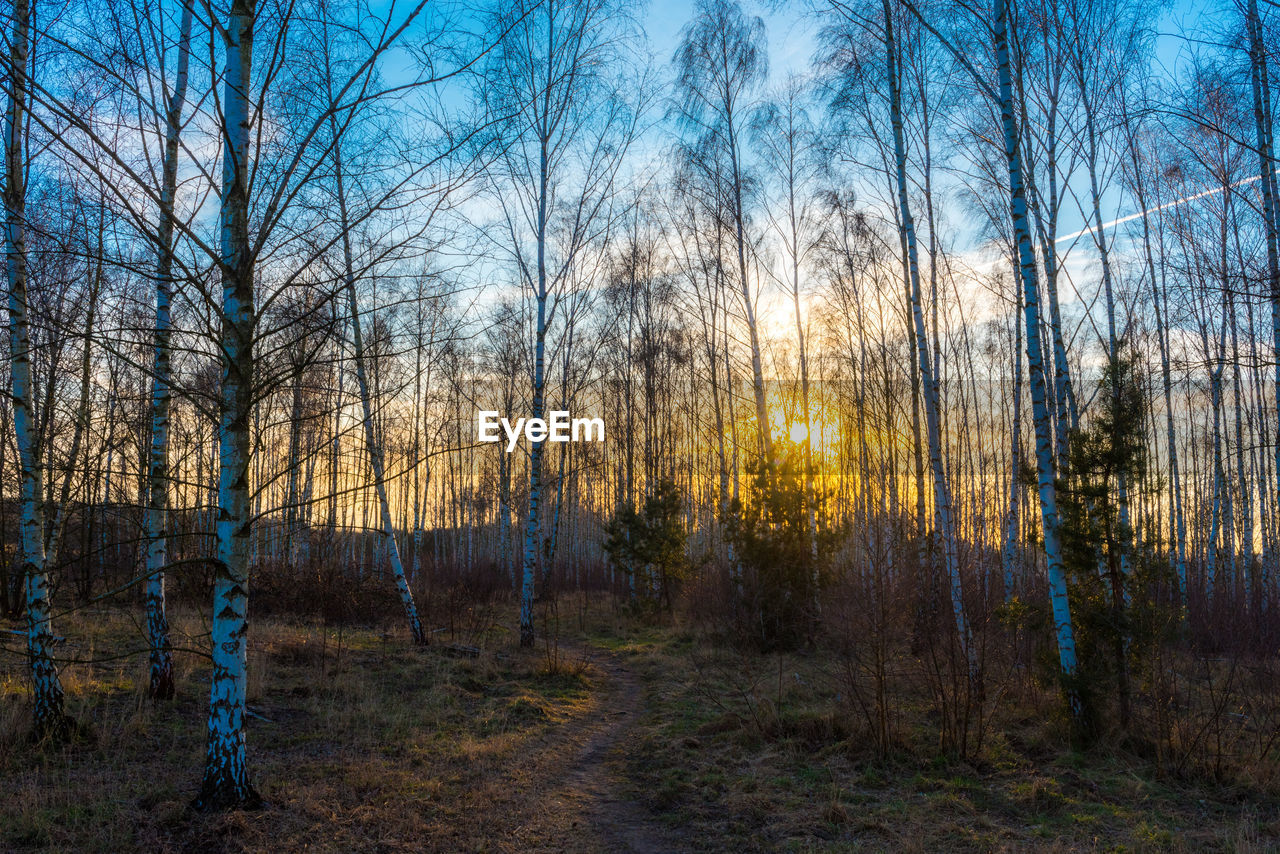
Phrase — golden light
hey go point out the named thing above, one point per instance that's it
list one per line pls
(799, 432)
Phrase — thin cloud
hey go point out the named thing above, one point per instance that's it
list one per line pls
(1122, 220)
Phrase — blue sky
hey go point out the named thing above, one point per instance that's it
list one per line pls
(791, 35)
(790, 31)
(791, 28)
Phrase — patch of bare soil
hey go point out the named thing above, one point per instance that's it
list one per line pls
(585, 808)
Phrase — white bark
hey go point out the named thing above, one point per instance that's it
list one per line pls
(161, 658)
(372, 446)
(1264, 141)
(532, 525)
(226, 776)
(49, 717)
(1061, 608)
(941, 488)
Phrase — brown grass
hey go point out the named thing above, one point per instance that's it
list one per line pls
(359, 742)
(746, 761)
(362, 742)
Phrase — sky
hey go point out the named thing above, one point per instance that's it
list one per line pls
(791, 32)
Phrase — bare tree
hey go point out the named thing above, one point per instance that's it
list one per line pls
(557, 76)
(50, 719)
(721, 63)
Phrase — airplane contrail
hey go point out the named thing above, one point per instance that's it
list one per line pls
(1175, 202)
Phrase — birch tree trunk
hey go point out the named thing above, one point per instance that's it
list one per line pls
(933, 426)
(1216, 359)
(160, 658)
(1160, 300)
(226, 776)
(1044, 214)
(531, 531)
(372, 445)
(1061, 608)
(1263, 133)
(50, 721)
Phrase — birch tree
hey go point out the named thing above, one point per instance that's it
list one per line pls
(226, 775)
(569, 118)
(1045, 471)
(721, 63)
(1264, 143)
(924, 363)
(226, 781)
(50, 720)
(373, 447)
(161, 659)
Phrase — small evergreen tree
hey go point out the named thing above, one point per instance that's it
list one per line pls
(769, 530)
(649, 545)
(1098, 546)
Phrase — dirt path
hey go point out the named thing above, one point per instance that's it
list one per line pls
(588, 810)
(625, 825)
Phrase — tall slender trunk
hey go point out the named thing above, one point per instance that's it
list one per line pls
(1160, 301)
(1263, 132)
(335, 439)
(1244, 524)
(1217, 362)
(1044, 216)
(372, 444)
(49, 717)
(531, 533)
(418, 413)
(226, 776)
(161, 685)
(1060, 606)
(907, 235)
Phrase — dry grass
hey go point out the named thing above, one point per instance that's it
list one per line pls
(746, 761)
(358, 742)
(363, 743)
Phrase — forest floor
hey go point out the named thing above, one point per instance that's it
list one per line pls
(754, 753)
(623, 737)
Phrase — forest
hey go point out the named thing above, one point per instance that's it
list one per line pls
(575, 425)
